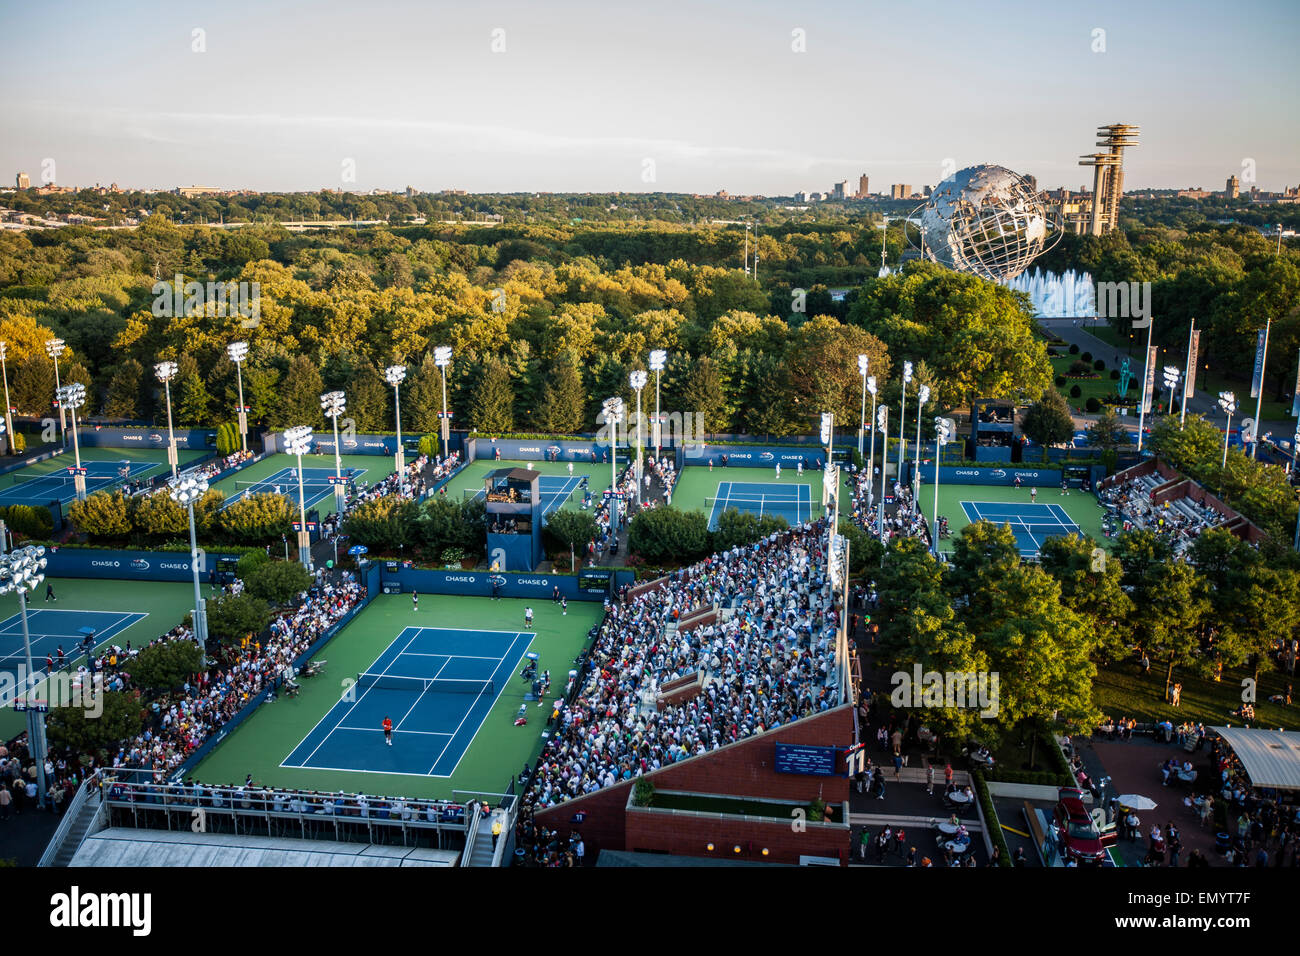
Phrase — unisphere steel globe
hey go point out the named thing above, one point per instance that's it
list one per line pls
(987, 221)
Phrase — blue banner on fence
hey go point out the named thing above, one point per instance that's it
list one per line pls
(754, 456)
(112, 436)
(539, 449)
(127, 565)
(956, 475)
(479, 583)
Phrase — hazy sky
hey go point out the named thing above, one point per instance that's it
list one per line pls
(645, 96)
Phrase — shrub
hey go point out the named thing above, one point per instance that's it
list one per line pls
(643, 792)
(1075, 391)
(429, 446)
(1092, 404)
(383, 524)
(453, 556)
(232, 617)
(1079, 368)
(257, 519)
(277, 581)
(568, 528)
(228, 440)
(32, 521)
(1074, 349)
(1114, 375)
(249, 563)
(737, 527)
(991, 818)
(1099, 366)
(1086, 356)
(1060, 381)
(103, 515)
(165, 666)
(159, 515)
(669, 533)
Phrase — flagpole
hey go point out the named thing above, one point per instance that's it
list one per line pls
(1146, 384)
(1188, 373)
(1259, 399)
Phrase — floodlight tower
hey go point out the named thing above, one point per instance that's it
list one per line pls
(395, 375)
(1227, 402)
(1171, 375)
(637, 380)
(166, 371)
(941, 436)
(613, 411)
(238, 352)
(297, 441)
(54, 348)
(187, 491)
(23, 570)
(333, 405)
(922, 396)
(442, 358)
(73, 396)
(864, 363)
(871, 458)
(658, 358)
(902, 421)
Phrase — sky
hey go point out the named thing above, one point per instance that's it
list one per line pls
(753, 97)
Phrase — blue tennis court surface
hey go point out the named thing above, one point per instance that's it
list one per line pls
(791, 502)
(432, 728)
(553, 490)
(316, 485)
(100, 475)
(1031, 524)
(49, 628)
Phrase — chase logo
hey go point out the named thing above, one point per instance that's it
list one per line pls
(105, 564)
(171, 566)
(522, 448)
(540, 582)
(462, 578)
(139, 564)
(767, 456)
(967, 472)
(132, 438)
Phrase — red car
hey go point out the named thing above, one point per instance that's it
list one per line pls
(1076, 833)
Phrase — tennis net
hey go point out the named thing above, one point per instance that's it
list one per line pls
(762, 504)
(423, 685)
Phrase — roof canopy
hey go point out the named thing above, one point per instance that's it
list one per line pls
(1271, 757)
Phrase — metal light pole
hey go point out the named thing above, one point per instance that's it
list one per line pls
(166, 371)
(637, 380)
(187, 491)
(238, 351)
(882, 423)
(1259, 398)
(1189, 379)
(442, 358)
(658, 358)
(902, 421)
(864, 362)
(8, 416)
(1171, 374)
(54, 348)
(1228, 402)
(613, 410)
(1295, 450)
(73, 395)
(922, 396)
(22, 570)
(395, 375)
(941, 436)
(297, 441)
(1146, 379)
(333, 404)
(871, 458)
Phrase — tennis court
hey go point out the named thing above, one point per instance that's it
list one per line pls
(553, 490)
(60, 485)
(49, 629)
(316, 484)
(791, 502)
(436, 684)
(1032, 524)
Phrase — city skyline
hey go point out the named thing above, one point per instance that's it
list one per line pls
(763, 99)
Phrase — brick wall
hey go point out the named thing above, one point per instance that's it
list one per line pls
(742, 769)
(689, 834)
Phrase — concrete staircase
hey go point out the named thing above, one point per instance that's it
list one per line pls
(76, 832)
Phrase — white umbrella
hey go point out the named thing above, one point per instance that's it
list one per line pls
(1135, 801)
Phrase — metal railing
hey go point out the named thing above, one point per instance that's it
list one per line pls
(88, 790)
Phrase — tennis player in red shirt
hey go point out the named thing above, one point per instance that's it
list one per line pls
(388, 731)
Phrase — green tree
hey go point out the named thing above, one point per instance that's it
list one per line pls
(233, 617)
(737, 527)
(1107, 433)
(1048, 421)
(562, 409)
(1091, 584)
(123, 399)
(193, 402)
(103, 515)
(166, 666)
(702, 394)
(278, 582)
(385, 524)
(298, 398)
(492, 402)
(80, 729)
(257, 519)
(368, 399)
(566, 528)
(669, 534)
(32, 386)
(160, 516)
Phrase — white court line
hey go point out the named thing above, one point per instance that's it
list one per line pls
(420, 696)
(489, 708)
(426, 733)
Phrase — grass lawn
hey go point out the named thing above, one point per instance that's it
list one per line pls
(1082, 507)
(375, 468)
(1120, 692)
(261, 743)
(1097, 388)
(165, 603)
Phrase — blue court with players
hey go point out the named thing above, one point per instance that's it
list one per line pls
(791, 502)
(435, 684)
(49, 629)
(1032, 524)
(316, 485)
(60, 485)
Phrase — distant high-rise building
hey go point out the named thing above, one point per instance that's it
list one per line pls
(1233, 187)
(24, 181)
(863, 190)
(900, 191)
(801, 195)
(840, 190)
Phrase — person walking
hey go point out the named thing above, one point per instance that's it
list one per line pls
(388, 730)
(49, 593)
(929, 778)
(1033, 495)
(415, 600)
(528, 616)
